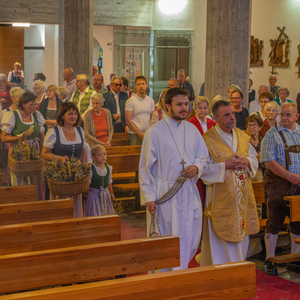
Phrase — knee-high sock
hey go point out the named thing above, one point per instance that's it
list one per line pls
(295, 248)
(270, 242)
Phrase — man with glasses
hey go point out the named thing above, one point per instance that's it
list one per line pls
(83, 96)
(115, 102)
(138, 112)
(280, 154)
(241, 113)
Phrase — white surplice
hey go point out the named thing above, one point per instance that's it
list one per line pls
(215, 250)
(159, 168)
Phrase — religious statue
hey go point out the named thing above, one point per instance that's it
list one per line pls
(256, 47)
(279, 50)
(298, 61)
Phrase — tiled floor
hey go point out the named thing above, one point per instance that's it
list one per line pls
(135, 227)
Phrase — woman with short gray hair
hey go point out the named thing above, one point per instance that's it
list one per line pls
(283, 93)
(98, 128)
(271, 110)
(5, 100)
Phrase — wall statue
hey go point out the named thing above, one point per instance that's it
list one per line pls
(256, 47)
(279, 50)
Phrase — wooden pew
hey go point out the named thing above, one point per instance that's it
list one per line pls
(227, 282)
(26, 271)
(120, 136)
(119, 143)
(56, 234)
(1, 179)
(123, 150)
(36, 211)
(16, 194)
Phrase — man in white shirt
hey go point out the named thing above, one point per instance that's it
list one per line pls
(69, 82)
(139, 109)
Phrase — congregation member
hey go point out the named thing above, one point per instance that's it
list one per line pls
(62, 94)
(283, 94)
(98, 83)
(241, 113)
(82, 97)
(173, 148)
(98, 127)
(39, 76)
(282, 176)
(125, 87)
(39, 90)
(5, 100)
(69, 82)
(139, 109)
(214, 100)
(252, 93)
(273, 88)
(50, 106)
(15, 95)
(254, 125)
(264, 98)
(115, 102)
(95, 70)
(203, 123)
(161, 111)
(182, 79)
(271, 110)
(111, 76)
(16, 76)
(230, 207)
(66, 140)
(15, 123)
(173, 83)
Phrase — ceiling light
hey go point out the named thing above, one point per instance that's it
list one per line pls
(21, 24)
(171, 7)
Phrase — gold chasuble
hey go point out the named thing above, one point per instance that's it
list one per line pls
(232, 208)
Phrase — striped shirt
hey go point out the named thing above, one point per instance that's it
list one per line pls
(272, 147)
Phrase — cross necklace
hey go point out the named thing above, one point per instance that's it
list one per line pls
(182, 160)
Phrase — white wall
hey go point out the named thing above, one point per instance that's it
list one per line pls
(104, 35)
(266, 16)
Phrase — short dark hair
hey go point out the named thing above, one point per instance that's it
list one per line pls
(254, 118)
(125, 81)
(218, 104)
(40, 76)
(140, 77)
(236, 90)
(25, 98)
(251, 81)
(171, 93)
(64, 108)
(266, 95)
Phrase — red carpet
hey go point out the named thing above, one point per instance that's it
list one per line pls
(275, 288)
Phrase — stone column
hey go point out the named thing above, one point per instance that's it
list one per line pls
(227, 46)
(76, 36)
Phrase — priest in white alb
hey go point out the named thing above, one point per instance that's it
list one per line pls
(230, 214)
(170, 148)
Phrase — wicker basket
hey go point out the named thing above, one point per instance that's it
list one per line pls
(26, 168)
(66, 188)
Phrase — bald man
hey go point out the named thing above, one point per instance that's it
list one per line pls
(173, 83)
(70, 82)
(282, 160)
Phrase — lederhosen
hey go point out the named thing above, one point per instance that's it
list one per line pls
(275, 189)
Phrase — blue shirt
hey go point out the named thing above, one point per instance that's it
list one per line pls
(272, 147)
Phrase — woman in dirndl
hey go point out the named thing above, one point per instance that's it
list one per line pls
(66, 140)
(15, 124)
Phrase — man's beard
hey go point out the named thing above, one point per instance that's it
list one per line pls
(178, 117)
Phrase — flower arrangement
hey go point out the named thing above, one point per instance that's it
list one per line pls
(118, 207)
(25, 151)
(73, 170)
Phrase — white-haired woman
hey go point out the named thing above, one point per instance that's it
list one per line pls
(283, 94)
(160, 113)
(5, 100)
(39, 90)
(16, 76)
(98, 128)
(15, 94)
(271, 111)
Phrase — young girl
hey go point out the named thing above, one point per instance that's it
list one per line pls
(101, 194)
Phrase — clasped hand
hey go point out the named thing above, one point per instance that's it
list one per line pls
(237, 162)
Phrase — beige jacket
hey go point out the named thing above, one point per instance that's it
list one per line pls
(90, 131)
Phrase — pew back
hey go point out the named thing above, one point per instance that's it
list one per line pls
(16, 194)
(56, 234)
(123, 150)
(124, 163)
(36, 211)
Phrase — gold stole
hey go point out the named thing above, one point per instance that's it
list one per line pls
(232, 207)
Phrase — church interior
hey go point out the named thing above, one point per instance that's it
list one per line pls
(219, 43)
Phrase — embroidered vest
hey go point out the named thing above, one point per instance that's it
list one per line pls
(98, 180)
(20, 127)
(85, 101)
(233, 207)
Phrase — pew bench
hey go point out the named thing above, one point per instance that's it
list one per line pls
(1, 179)
(123, 150)
(32, 270)
(36, 211)
(16, 194)
(128, 176)
(38, 236)
(120, 136)
(121, 142)
(227, 282)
